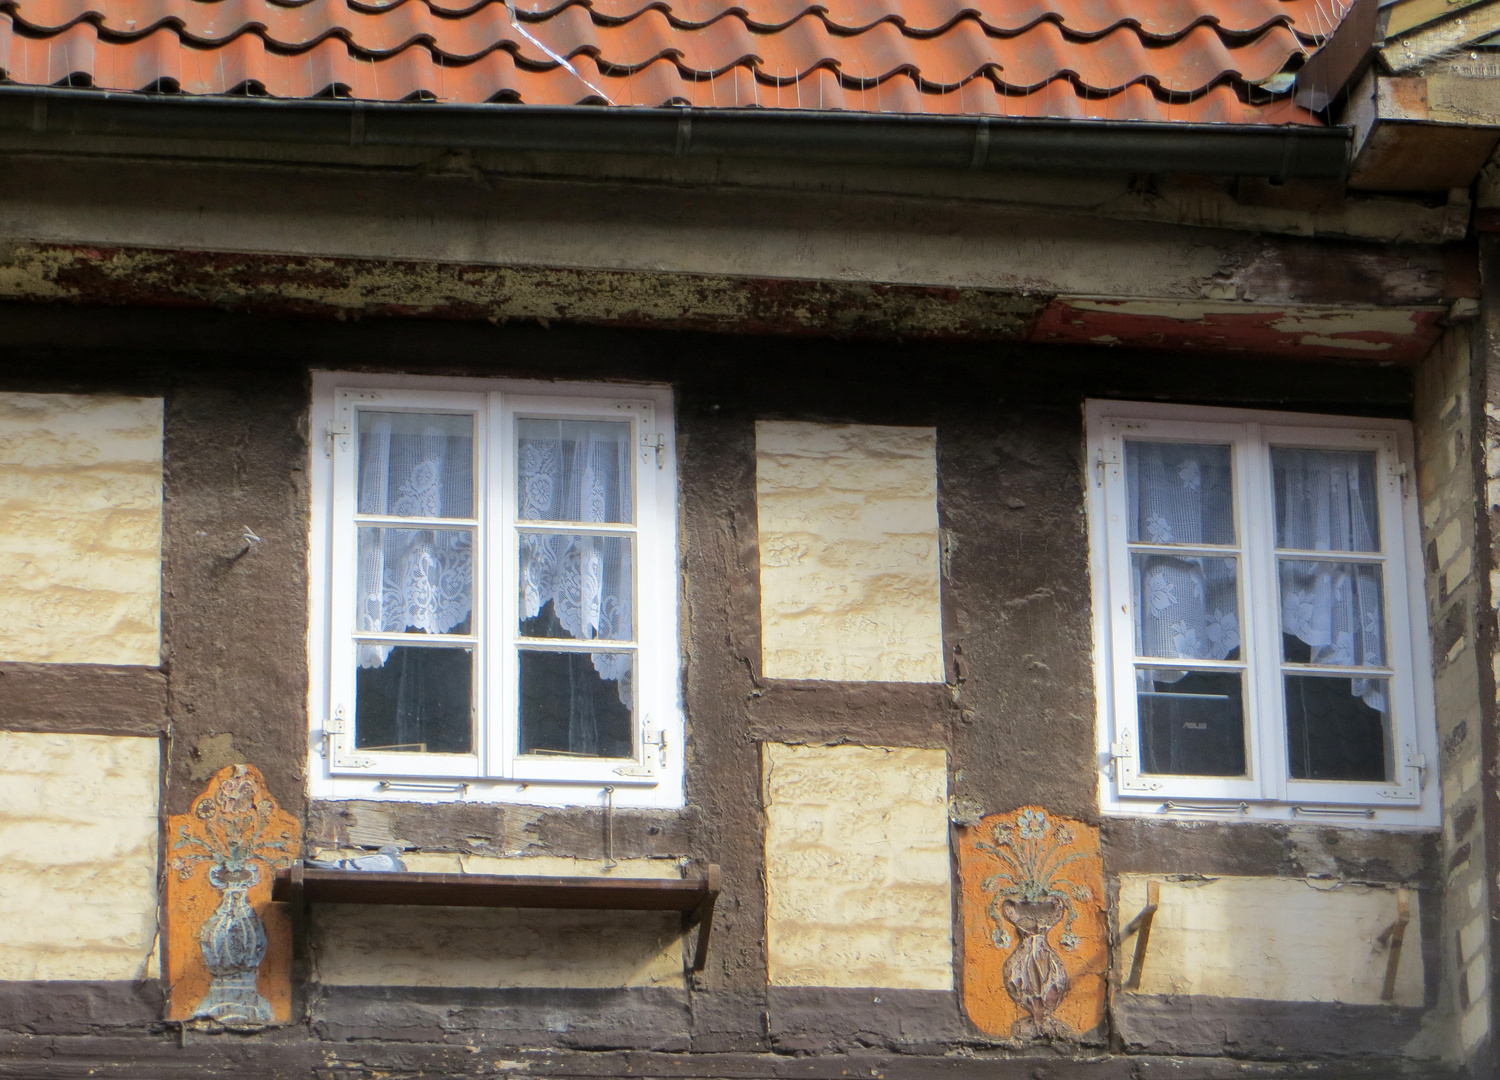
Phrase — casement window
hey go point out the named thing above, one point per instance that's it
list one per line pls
(495, 576)
(1260, 627)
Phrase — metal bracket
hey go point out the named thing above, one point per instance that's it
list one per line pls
(1394, 936)
(702, 916)
(1141, 926)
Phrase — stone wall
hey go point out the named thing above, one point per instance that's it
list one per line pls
(80, 528)
(1446, 486)
(78, 836)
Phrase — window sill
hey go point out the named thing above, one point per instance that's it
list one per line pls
(1421, 817)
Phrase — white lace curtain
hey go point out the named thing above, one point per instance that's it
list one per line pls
(1187, 605)
(578, 471)
(1326, 501)
(414, 465)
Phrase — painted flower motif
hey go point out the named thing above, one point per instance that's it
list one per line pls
(1191, 476)
(1159, 529)
(1161, 593)
(1185, 640)
(1223, 632)
(1032, 824)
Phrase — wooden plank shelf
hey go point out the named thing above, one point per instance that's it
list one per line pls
(694, 897)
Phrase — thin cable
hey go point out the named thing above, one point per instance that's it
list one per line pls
(510, 6)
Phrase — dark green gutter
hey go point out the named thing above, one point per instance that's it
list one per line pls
(990, 144)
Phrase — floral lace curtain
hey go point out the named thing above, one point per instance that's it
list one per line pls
(1187, 606)
(1326, 501)
(578, 471)
(414, 465)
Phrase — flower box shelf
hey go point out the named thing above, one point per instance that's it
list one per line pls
(694, 897)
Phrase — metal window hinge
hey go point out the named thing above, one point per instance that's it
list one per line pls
(1109, 454)
(657, 737)
(1399, 470)
(336, 429)
(1419, 762)
(1119, 750)
(657, 442)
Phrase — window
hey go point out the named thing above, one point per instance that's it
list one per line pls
(1260, 625)
(498, 572)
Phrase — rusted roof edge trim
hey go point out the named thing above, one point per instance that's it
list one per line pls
(978, 143)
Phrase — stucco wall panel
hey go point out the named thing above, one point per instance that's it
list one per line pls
(1275, 939)
(499, 947)
(78, 836)
(849, 552)
(80, 528)
(857, 867)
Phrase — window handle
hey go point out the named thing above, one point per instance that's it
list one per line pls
(1335, 811)
(1172, 806)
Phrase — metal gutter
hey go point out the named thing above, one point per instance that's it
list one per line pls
(988, 144)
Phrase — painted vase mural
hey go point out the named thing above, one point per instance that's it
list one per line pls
(1034, 929)
(229, 947)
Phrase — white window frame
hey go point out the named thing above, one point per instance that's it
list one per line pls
(1411, 797)
(495, 772)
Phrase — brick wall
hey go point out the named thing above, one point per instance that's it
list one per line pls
(1446, 478)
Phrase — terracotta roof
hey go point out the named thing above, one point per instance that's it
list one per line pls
(1180, 60)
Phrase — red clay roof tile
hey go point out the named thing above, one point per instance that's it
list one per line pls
(1184, 60)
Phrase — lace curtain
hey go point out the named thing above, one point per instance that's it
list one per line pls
(578, 471)
(1326, 501)
(1187, 606)
(414, 465)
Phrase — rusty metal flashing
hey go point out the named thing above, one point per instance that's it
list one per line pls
(977, 143)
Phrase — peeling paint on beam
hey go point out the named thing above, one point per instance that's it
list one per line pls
(282, 284)
(1388, 335)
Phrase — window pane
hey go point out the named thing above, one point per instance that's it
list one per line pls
(1325, 499)
(416, 464)
(416, 700)
(1337, 728)
(577, 704)
(1179, 493)
(575, 586)
(1192, 722)
(1332, 613)
(415, 581)
(1186, 608)
(574, 470)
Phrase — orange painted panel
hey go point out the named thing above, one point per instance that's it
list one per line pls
(229, 948)
(1036, 950)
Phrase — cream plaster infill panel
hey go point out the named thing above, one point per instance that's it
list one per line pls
(849, 552)
(857, 867)
(362, 945)
(78, 842)
(80, 528)
(1275, 939)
